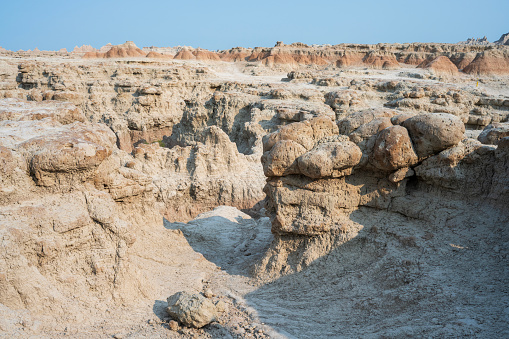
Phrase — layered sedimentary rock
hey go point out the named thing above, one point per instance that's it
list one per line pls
(153, 54)
(208, 173)
(493, 62)
(127, 49)
(143, 102)
(489, 59)
(441, 65)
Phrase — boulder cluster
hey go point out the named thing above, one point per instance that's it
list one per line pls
(320, 171)
(316, 149)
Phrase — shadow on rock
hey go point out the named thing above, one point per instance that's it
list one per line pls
(159, 309)
(393, 280)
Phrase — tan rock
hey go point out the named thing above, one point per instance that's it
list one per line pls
(157, 55)
(381, 60)
(19, 110)
(204, 55)
(494, 62)
(184, 54)
(432, 133)
(369, 129)
(192, 309)
(281, 159)
(441, 65)
(127, 49)
(401, 174)
(393, 149)
(355, 120)
(329, 159)
(493, 133)
(306, 133)
(76, 149)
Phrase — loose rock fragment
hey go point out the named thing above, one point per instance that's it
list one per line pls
(192, 310)
(173, 325)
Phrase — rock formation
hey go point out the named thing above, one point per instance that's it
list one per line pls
(493, 134)
(317, 181)
(84, 49)
(184, 54)
(475, 41)
(105, 48)
(495, 62)
(491, 58)
(67, 192)
(441, 65)
(504, 40)
(158, 55)
(127, 49)
(386, 191)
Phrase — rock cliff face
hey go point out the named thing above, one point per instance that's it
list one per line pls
(489, 59)
(504, 40)
(382, 56)
(320, 176)
(77, 217)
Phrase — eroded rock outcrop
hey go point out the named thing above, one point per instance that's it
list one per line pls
(478, 59)
(74, 218)
(504, 39)
(442, 65)
(325, 182)
(127, 49)
(494, 62)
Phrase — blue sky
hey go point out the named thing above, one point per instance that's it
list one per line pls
(222, 24)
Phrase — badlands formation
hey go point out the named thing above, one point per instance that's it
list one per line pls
(288, 192)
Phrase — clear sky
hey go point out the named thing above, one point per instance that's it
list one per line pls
(222, 24)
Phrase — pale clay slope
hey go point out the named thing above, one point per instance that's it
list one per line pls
(433, 263)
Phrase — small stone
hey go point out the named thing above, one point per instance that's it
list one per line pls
(191, 309)
(208, 293)
(118, 336)
(401, 174)
(174, 326)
